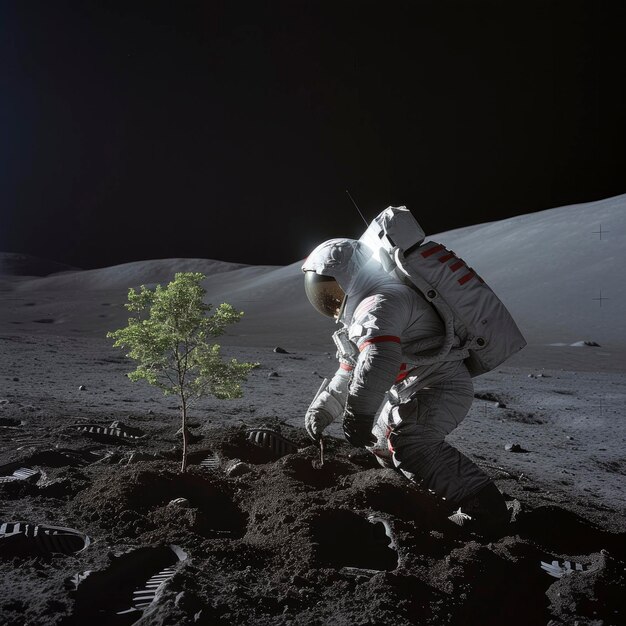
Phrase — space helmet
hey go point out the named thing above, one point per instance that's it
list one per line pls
(324, 293)
(329, 271)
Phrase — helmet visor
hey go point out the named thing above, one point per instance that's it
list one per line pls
(324, 293)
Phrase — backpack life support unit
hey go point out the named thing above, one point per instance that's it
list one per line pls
(469, 309)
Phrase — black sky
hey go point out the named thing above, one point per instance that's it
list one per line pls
(231, 129)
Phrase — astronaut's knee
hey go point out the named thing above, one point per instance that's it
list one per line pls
(415, 437)
(416, 455)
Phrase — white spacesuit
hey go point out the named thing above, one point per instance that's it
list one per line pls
(398, 410)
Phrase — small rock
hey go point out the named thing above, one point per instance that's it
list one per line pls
(82, 388)
(500, 405)
(16, 379)
(150, 412)
(531, 375)
(273, 375)
(513, 447)
(490, 397)
(181, 502)
(280, 350)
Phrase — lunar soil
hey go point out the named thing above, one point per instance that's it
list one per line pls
(256, 533)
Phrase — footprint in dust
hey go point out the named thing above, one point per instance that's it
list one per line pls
(118, 594)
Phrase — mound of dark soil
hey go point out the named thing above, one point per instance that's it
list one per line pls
(289, 543)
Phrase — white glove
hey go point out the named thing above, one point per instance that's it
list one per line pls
(323, 410)
(316, 421)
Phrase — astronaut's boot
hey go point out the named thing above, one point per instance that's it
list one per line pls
(484, 513)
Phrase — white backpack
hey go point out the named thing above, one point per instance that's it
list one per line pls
(468, 307)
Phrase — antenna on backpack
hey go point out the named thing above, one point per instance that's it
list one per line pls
(357, 208)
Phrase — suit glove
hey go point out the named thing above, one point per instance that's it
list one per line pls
(322, 412)
(316, 421)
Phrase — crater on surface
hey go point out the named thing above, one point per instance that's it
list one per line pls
(563, 532)
(210, 512)
(345, 539)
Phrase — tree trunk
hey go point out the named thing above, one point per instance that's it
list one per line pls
(183, 414)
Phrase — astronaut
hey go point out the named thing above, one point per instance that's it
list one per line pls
(399, 411)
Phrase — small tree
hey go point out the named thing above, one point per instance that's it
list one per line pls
(169, 340)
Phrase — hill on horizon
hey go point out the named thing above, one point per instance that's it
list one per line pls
(560, 280)
(18, 264)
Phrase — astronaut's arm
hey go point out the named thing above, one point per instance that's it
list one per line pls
(329, 404)
(376, 371)
(332, 397)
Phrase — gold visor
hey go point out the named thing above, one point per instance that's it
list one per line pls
(324, 293)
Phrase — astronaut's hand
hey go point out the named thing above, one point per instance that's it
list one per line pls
(316, 421)
(358, 429)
